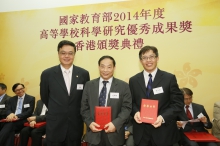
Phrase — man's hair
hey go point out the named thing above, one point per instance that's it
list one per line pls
(146, 49)
(66, 42)
(3, 86)
(109, 57)
(186, 91)
(16, 85)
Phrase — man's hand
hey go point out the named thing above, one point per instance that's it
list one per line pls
(127, 133)
(203, 119)
(137, 117)
(179, 124)
(93, 126)
(110, 127)
(11, 117)
(32, 123)
(158, 122)
(33, 118)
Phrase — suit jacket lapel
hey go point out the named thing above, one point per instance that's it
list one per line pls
(141, 81)
(113, 88)
(58, 75)
(75, 77)
(158, 78)
(95, 92)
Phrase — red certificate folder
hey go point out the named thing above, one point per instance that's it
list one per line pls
(149, 110)
(4, 120)
(102, 116)
(37, 125)
(201, 137)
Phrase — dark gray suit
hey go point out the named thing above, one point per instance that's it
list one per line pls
(120, 107)
(198, 126)
(170, 105)
(63, 116)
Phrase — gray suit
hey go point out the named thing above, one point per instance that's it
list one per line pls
(121, 109)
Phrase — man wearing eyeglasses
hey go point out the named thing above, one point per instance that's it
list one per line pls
(155, 84)
(193, 111)
(61, 89)
(20, 107)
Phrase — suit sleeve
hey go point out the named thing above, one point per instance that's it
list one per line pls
(125, 108)
(41, 118)
(85, 108)
(209, 124)
(44, 88)
(27, 113)
(176, 101)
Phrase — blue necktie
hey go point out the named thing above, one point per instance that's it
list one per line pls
(149, 86)
(19, 109)
(102, 97)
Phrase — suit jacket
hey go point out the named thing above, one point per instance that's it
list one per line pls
(120, 107)
(170, 104)
(26, 111)
(38, 110)
(63, 116)
(198, 126)
(3, 102)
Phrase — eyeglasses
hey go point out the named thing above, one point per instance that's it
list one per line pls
(66, 53)
(17, 90)
(151, 58)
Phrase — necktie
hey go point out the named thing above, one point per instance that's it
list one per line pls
(19, 107)
(149, 85)
(102, 97)
(188, 113)
(67, 80)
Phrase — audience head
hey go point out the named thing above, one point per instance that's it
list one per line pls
(3, 89)
(188, 94)
(18, 89)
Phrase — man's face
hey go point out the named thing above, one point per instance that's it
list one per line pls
(106, 68)
(2, 91)
(187, 99)
(66, 56)
(19, 91)
(149, 61)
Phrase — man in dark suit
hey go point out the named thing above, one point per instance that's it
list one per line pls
(194, 110)
(162, 87)
(118, 97)
(61, 89)
(20, 107)
(35, 133)
(3, 101)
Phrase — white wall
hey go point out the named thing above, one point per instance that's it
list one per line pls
(19, 5)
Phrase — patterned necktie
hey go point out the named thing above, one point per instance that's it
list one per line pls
(102, 97)
(19, 107)
(188, 113)
(149, 86)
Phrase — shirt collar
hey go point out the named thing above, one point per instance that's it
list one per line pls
(1, 97)
(22, 96)
(190, 105)
(109, 80)
(63, 69)
(146, 74)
